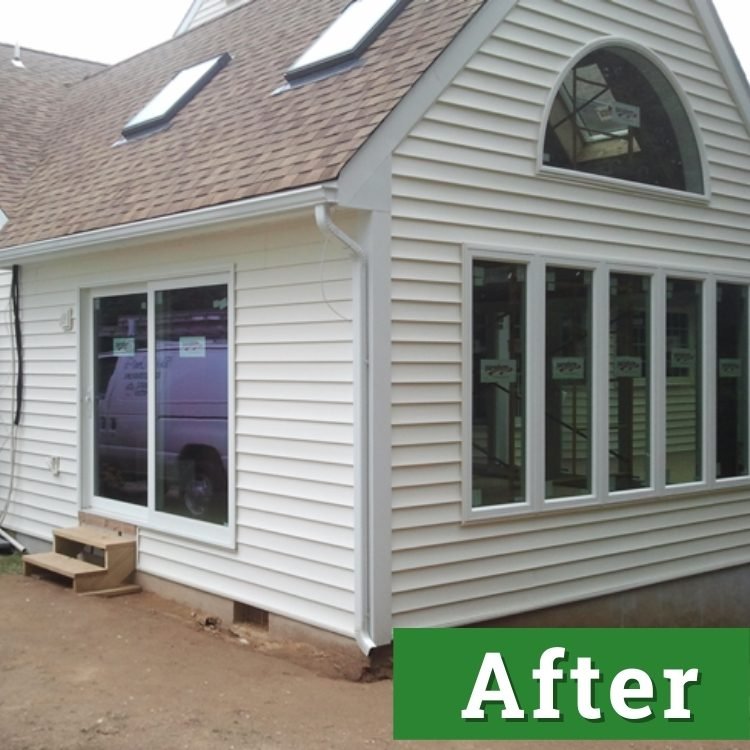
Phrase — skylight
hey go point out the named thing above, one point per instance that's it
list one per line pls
(347, 37)
(598, 113)
(174, 96)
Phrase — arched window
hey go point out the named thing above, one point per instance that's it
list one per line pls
(616, 114)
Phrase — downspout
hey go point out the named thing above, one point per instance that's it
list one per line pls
(362, 542)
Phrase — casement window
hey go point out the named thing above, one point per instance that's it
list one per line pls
(158, 396)
(731, 372)
(568, 382)
(499, 377)
(629, 391)
(683, 363)
(587, 383)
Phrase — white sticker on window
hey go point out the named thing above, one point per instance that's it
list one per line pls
(568, 368)
(730, 368)
(123, 347)
(502, 371)
(683, 358)
(192, 346)
(628, 367)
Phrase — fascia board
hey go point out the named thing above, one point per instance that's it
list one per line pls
(722, 48)
(409, 111)
(202, 219)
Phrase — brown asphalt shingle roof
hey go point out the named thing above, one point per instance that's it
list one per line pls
(236, 139)
(30, 101)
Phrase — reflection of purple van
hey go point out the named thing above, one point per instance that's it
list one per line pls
(190, 428)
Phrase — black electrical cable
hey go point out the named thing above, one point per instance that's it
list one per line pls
(15, 297)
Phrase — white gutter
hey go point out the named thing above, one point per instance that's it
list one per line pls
(362, 539)
(199, 219)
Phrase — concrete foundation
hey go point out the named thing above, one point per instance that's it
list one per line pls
(717, 599)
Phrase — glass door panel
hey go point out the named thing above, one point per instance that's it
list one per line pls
(121, 398)
(191, 441)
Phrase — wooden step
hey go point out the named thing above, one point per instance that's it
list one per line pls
(61, 565)
(94, 559)
(91, 536)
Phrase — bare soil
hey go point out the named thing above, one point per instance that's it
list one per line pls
(141, 672)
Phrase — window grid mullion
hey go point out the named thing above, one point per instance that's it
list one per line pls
(658, 409)
(535, 383)
(709, 383)
(600, 385)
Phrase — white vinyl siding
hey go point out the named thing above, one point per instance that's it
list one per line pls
(293, 416)
(467, 176)
(40, 500)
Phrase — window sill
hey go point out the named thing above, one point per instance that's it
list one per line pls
(165, 524)
(632, 498)
(208, 534)
(638, 189)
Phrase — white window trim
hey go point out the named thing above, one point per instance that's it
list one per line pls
(148, 517)
(618, 185)
(534, 392)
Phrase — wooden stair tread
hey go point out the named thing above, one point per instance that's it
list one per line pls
(93, 536)
(70, 567)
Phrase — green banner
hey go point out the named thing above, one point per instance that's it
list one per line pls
(576, 683)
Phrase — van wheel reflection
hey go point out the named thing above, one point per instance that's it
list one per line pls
(201, 485)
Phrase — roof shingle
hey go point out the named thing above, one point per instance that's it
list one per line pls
(238, 138)
(32, 96)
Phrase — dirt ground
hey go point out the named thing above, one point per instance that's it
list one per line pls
(141, 672)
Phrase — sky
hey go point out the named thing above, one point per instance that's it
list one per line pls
(112, 30)
(102, 30)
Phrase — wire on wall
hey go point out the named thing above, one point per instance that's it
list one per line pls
(15, 296)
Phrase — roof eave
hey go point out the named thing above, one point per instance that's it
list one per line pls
(212, 217)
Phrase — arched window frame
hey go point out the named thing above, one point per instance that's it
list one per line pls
(614, 183)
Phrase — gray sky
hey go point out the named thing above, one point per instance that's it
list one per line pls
(111, 30)
(102, 30)
(735, 15)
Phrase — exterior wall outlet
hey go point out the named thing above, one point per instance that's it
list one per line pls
(53, 464)
(66, 320)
